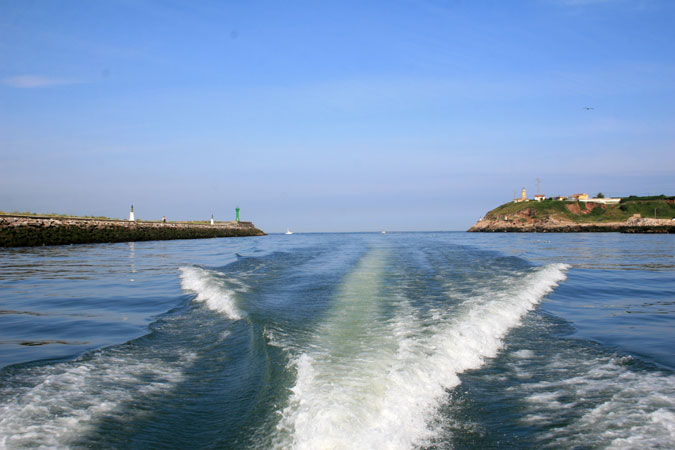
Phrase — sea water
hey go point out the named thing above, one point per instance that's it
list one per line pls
(334, 341)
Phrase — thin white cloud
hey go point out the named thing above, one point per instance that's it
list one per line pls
(587, 2)
(37, 81)
(635, 4)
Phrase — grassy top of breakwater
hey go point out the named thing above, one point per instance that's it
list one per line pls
(70, 216)
(54, 215)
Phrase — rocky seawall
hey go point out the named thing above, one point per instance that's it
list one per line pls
(30, 231)
(521, 223)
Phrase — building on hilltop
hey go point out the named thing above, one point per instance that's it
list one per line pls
(540, 197)
(523, 197)
(584, 198)
(603, 201)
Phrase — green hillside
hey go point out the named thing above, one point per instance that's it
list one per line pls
(660, 207)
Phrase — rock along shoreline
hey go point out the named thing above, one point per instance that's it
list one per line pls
(31, 231)
(550, 225)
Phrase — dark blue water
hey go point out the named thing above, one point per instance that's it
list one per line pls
(403, 340)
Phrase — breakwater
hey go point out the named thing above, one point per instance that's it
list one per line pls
(30, 231)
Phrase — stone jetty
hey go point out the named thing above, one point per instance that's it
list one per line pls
(29, 231)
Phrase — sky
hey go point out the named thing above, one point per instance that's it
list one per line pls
(331, 116)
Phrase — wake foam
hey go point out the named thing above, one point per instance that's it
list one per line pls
(616, 407)
(388, 397)
(57, 405)
(211, 290)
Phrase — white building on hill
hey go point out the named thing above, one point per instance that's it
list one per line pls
(604, 201)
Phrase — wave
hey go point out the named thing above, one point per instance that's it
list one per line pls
(55, 406)
(212, 290)
(383, 385)
(615, 405)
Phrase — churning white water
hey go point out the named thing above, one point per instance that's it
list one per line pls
(372, 382)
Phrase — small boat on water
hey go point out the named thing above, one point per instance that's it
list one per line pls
(288, 231)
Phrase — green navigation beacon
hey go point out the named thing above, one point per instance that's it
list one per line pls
(237, 219)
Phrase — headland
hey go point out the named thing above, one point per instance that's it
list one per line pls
(574, 214)
(18, 230)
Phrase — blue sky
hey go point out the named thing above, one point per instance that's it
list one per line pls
(331, 116)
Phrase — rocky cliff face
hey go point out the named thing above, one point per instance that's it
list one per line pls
(24, 231)
(526, 221)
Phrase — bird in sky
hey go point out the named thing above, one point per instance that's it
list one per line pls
(588, 108)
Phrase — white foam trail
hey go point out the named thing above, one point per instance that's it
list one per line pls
(211, 290)
(386, 395)
(523, 354)
(64, 402)
(628, 409)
